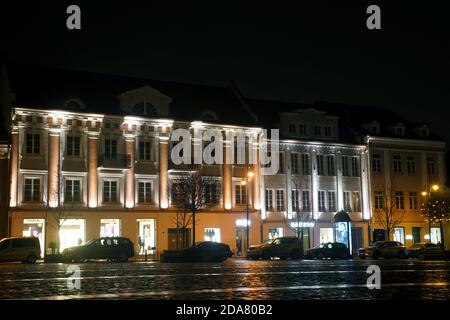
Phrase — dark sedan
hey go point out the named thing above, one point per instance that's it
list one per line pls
(111, 249)
(425, 250)
(206, 251)
(332, 250)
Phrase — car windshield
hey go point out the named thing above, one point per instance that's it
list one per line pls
(268, 241)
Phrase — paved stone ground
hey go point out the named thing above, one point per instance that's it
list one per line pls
(233, 279)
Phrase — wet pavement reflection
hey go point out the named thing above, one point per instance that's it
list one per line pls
(233, 279)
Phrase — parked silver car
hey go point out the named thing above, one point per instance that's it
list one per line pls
(383, 249)
(27, 250)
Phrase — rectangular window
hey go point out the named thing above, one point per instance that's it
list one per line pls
(110, 149)
(397, 164)
(399, 234)
(327, 131)
(379, 200)
(295, 200)
(399, 201)
(211, 193)
(305, 200)
(411, 165)
(33, 143)
(345, 171)
(212, 234)
(275, 233)
(322, 207)
(413, 201)
(356, 202)
(294, 163)
(320, 165)
(144, 192)
(355, 167)
(145, 149)
(109, 228)
(269, 200)
(110, 191)
(331, 201)
(348, 201)
(326, 235)
(376, 162)
(32, 189)
(72, 190)
(302, 129)
(317, 131)
(73, 146)
(292, 129)
(280, 200)
(282, 164)
(305, 164)
(431, 166)
(330, 165)
(240, 193)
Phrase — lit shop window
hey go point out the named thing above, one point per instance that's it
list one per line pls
(275, 233)
(326, 235)
(212, 234)
(35, 228)
(147, 240)
(109, 227)
(435, 235)
(399, 234)
(71, 233)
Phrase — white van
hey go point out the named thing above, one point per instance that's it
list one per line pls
(26, 250)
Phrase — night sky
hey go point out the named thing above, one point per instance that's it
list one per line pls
(299, 53)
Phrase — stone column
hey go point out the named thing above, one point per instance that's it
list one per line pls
(14, 168)
(129, 175)
(92, 170)
(227, 176)
(53, 169)
(163, 172)
(339, 184)
(256, 181)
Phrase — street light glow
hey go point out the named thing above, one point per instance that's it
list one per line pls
(435, 187)
(243, 182)
(250, 174)
(424, 193)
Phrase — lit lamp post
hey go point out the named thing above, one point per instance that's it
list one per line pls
(245, 183)
(427, 194)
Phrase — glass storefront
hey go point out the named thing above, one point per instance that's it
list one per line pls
(72, 233)
(212, 234)
(109, 227)
(435, 235)
(399, 234)
(35, 228)
(146, 238)
(326, 235)
(275, 233)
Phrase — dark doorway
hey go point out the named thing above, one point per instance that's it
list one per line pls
(357, 239)
(416, 234)
(179, 238)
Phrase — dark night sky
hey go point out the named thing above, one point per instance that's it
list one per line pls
(302, 53)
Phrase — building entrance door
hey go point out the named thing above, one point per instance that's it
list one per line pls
(416, 234)
(179, 239)
(240, 242)
(357, 240)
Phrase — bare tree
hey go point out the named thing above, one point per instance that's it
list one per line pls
(191, 193)
(299, 215)
(386, 213)
(182, 221)
(437, 210)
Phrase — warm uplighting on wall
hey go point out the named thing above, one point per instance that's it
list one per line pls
(250, 174)
(164, 204)
(129, 204)
(435, 187)
(427, 237)
(409, 237)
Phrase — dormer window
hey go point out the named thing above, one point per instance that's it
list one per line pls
(292, 129)
(317, 131)
(400, 130)
(373, 127)
(328, 131)
(145, 108)
(424, 131)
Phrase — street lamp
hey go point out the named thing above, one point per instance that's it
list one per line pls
(249, 176)
(428, 193)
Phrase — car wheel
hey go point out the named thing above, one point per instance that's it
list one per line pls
(295, 255)
(401, 255)
(123, 258)
(31, 259)
(320, 256)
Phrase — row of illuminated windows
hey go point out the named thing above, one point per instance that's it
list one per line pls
(325, 164)
(301, 201)
(302, 129)
(398, 164)
(383, 201)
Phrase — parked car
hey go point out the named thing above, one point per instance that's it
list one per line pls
(109, 248)
(333, 250)
(425, 250)
(27, 250)
(205, 251)
(283, 248)
(383, 249)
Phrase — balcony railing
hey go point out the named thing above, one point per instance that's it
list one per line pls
(116, 161)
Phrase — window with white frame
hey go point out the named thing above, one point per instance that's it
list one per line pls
(110, 149)
(110, 191)
(355, 167)
(212, 234)
(356, 202)
(399, 200)
(33, 143)
(328, 131)
(411, 165)
(376, 162)
(413, 201)
(348, 201)
(330, 165)
(305, 164)
(269, 199)
(292, 129)
(320, 164)
(240, 194)
(322, 207)
(302, 129)
(305, 201)
(145, 150)
(431, 166)
(32, 189)
(72, 190)
(280, 200)
(331, 201)
(317, 131)
(282, 167)
(295, 200)
(73, 146)
(379, 200)
(211, 190)
(145, 192)
(345, 171)
(294, 163)
(397, 161)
